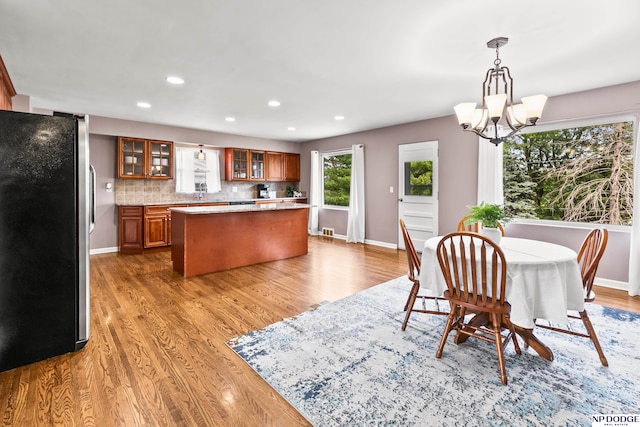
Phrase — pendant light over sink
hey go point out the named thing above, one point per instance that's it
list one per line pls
(491, 121)
(200, 154)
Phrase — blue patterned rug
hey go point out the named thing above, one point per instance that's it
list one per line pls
(347, 363)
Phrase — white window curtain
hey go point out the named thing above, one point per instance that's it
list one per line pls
(314, 192)
(185, 177)
(185, 170)
(490, 187)
(634, 252)
(355, 219)
(213, 171)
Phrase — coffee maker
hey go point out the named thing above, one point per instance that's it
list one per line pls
(263, 191)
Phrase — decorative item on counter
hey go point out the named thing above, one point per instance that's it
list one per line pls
(297, 193)
(290, 191)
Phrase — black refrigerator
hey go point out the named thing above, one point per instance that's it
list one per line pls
(47, 189)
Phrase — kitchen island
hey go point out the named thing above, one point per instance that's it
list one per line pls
(206, 239)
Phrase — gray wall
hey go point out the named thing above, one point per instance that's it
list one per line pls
(458, 158)
(103, 158)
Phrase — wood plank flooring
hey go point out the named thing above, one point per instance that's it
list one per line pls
(157, 354)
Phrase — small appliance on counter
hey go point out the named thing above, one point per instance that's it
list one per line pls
(263, 191)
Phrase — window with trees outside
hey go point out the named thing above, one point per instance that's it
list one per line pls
(336, 182)
(576, 174)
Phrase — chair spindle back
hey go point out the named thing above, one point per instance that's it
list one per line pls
(474, 269)
(589, 257)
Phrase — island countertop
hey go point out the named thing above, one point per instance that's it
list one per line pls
(261, 207)
(193, 202)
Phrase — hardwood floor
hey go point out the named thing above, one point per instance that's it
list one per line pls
(157, 354)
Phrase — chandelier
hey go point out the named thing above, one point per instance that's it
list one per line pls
(491, 121)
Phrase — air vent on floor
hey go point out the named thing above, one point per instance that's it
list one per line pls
(327, 232)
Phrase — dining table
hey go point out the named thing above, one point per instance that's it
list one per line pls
(543, 282)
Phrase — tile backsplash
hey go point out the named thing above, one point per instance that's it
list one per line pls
(145, 191)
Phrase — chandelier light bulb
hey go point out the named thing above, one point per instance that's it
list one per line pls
(534, 106)
(464, 112)
(495, 105)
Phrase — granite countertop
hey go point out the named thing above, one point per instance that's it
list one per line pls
(200, 210)
(199, 202)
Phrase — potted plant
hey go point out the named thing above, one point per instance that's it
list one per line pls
(291, 191)
(490, 216)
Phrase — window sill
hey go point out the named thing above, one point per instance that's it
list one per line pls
(567, 224)
(335, 208)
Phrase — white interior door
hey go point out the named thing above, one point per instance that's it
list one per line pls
(418, 191)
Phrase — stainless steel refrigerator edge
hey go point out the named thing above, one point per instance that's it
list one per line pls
(86, 223)
(47, 208)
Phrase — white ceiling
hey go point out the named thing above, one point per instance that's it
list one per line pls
(376, 62)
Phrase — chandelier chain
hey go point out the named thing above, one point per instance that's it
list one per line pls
(498, 60)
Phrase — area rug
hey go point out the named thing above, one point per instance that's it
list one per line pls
(347, 363)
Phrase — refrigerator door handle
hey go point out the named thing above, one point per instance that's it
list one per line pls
(92, 198)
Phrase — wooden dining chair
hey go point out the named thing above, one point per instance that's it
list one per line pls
(475, 271)
(589, 257)
(413, 261)
(474, 227)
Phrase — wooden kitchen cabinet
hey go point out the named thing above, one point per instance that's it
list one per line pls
(157, 225)
(257, 165)
(291, 168)
(7, 91)
(144, 158)
(273, 164)
(147, 227)
(130, 229)
(236, 162)
(249, 165)
(282, 166)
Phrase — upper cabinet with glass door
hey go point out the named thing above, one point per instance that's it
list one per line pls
(242, 164)
(141, 158)
(257, 165)
(160, 156)
(236, 164)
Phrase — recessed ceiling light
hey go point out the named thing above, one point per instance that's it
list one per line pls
(174, 80)
(338, 117)
(230, 119)
(291, 128)
(274, 103)
(143, 104)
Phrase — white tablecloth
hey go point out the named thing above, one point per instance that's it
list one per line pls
(543, 279)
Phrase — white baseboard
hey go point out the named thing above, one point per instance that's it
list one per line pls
(103, 250)
(369, 242)
(613, 284)
(381, 244)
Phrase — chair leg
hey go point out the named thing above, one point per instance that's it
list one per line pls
(512, 331)
(447, 328)
(498, 339)
(413, 293)
(594, 338)
(410, 303)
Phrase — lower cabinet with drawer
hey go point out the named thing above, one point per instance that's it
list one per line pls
(157, 225)
(147, 227)
(130, 220)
